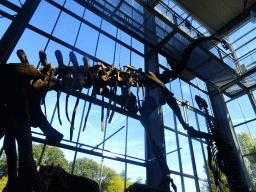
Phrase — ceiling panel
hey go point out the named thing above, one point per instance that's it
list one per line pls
(216, 14)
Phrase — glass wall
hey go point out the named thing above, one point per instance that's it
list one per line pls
(243, 119)
(117, 154)
(243, 43)
(186, 156)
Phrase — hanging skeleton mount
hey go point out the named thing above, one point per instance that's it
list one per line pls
(26, 87)
(103, 78)
(221, 157)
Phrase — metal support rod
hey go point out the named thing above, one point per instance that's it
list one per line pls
(107, 138)
(42, 153)
(73, 165)
(125, 168)
(48, 41)
(117, 7)
(253, 101)
(86, 151)
(102, 155)
(192, 153)
(10, 5)
(16, 29)
(246, 124)
(179, 154)
(166, 154)
(205, 160)
(249, 154)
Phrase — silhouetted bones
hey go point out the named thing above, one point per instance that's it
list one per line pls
(24, 88)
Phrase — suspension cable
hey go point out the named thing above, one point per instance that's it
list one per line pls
(102, 160)
(43, 150)
(52, 31)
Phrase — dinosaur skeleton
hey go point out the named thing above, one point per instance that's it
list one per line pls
(220, 155)
(214, 159)
(31, 85)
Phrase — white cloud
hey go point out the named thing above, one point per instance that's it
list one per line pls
(185, 89)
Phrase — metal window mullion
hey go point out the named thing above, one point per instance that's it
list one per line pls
(87, 23)
(205, 161)
(237, 125)
(60, 93)
(83, 3)
(15, 30)
(115, 46)
(78, 137)
(96, 49)
(245, 44)
(102, 155)
(243, 35)
(246, 123)
(126, 136)
(250, 52)
(192, 154)
(179, 154)
(252, 100)
(47, 43)
(246, 54)
(42, 153)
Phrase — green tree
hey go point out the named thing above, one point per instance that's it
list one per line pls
(3, 166)
(122, 174)
(3, 182)
(51, 155)
(205, 187)
(248, 147)
(139, 180)
(107, 175)
(88, 168)
(117, 184)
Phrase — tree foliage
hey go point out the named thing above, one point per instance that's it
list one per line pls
(3, 182)
(247, 146)
(51, 154)
(205, 187)
(3, 166)
(139, 180)
(117, 184)
(111, 181)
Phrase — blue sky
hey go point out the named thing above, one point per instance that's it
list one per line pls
(66, 30)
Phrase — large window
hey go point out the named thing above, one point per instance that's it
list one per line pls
(243, 119)
(117, 154)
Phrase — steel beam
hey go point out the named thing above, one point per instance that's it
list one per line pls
(10, 5)
(115, 23)
(155, 123)
(100, 103)
(93, 26)
(238, 79)
(165, 40)
(201, 64)
(154, 12)
(117, 7)
(16, 29)
(86, 151)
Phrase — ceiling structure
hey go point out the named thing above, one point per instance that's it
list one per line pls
(219, 16)
(174, 34)
(176, 29)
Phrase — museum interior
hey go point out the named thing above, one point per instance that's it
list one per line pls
(158, 93)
